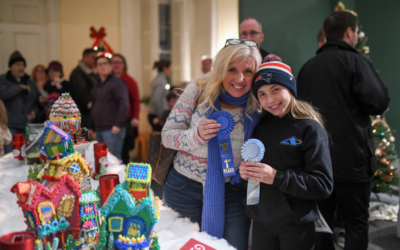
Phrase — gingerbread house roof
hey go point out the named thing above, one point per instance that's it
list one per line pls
(138, 172)
(121, 194)
(65, 109)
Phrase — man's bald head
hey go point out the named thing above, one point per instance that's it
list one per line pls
(206, 63)
(251, 29)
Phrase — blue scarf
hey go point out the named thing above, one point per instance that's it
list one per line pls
(213, 217)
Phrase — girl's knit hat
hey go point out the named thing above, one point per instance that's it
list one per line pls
(274, 71)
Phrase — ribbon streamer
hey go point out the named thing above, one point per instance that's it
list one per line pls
(224, 139)
(253, 151)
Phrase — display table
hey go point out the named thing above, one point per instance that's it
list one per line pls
(173, 232)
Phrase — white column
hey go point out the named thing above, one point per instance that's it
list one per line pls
(131, 41)
(53, 30)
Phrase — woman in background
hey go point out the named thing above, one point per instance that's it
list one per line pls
(40, 77)
(120, 69)
(159, 90)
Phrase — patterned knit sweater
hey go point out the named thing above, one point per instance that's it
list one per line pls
(180, 133)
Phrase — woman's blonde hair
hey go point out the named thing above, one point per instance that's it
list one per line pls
(210, 84)
(3, 116)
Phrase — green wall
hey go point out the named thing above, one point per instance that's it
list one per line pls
(380, 22)
(290, 28)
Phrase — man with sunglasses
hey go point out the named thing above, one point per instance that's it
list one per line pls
(251, 29)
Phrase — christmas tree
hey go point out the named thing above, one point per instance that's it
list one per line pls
(33, 172)
(386, 155)
(111, 245)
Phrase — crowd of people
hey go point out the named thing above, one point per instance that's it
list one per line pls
(319, 152)
(106, 95)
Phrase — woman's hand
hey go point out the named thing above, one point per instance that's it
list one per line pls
(207, 129)
(258, 171)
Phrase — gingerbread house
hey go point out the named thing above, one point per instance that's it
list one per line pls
(130, 213)
(49, 210)
(74, 165)
(66, 115)
(88, 215)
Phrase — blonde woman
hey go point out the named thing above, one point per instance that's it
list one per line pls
(195, 186)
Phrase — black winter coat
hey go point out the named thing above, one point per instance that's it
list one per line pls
(19, 103)
(346, 89)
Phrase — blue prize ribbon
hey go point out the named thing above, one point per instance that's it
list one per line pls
(253, 151)
(224, 139)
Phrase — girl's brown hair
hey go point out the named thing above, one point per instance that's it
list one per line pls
(3, 116)
(301, 110)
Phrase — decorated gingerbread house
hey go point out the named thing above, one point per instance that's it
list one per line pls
(49, 210)
(74, 165)
(66, 115)
(88, 215)
(130, 213)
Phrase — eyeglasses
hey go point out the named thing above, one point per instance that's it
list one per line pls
(235, 41)
(252, 34)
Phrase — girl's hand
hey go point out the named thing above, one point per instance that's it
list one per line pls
(258, 171)
(243, 171)
(207, 129)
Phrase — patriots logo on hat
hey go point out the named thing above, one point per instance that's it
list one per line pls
(266, 77)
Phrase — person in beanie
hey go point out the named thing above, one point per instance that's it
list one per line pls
(19, 94)
(346, 88)
(296, 169)
(196, 187)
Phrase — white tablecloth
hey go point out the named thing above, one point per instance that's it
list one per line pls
(173, 232)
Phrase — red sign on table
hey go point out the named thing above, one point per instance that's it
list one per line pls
(193, 244)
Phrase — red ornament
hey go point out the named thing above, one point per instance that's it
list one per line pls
(18, 141)
(100, 45)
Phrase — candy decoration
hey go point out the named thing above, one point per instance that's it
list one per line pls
(18, 241)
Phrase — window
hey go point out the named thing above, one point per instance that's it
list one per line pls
(66, 206)
(46, 212)
(165, 29)
(115, 224)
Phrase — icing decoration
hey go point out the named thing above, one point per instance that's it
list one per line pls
(66, 206)
(46, 212)
(224, 138)
(30, 220)
(115, 224)
(253, 151)
(138, 172)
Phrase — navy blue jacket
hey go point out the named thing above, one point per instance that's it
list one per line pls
(299, 151)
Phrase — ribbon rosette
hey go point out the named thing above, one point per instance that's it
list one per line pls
(253, 151)
(224, 140)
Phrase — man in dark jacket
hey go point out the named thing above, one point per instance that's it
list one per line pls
(110, 107)
(19, 94)
(251, 29)
(82, 79)
(346, 89)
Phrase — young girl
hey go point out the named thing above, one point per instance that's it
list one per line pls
(296, 169)
(5, 135)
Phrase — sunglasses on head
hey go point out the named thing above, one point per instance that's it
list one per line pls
(234, 41)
